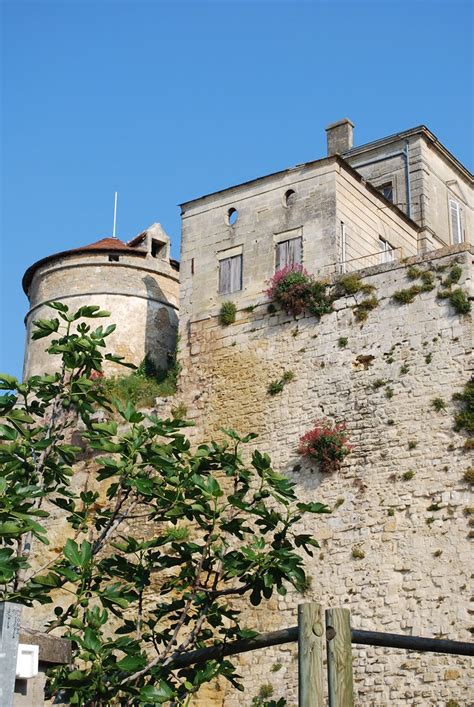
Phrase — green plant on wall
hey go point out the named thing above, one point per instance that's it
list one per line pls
(362, 309)
(277, 386)
(464, 418)
(352, 284)
(143, 385)
(227, 313)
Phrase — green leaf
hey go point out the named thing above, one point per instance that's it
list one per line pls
(313, 507)
(157, 695)
(59, 306)
(91, 640)
(8, 433)
(8, 382)
(131, 663)
(10, 528)
(71, 552)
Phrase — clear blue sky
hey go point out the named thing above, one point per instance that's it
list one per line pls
(166, 101)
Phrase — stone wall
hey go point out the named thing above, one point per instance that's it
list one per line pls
(395, 549)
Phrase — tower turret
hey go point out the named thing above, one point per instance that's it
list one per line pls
(137, 282)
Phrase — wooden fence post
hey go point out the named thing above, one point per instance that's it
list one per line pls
(310, 655)
(338, 636)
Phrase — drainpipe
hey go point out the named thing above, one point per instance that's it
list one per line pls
(407, 177)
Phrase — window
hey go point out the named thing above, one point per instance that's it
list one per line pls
(386, 252)
(386, 190)
(113, 258)
(230, 275)
(157, 248)
(289, 252)
(232, 216)
(455, 220)
(290, 197)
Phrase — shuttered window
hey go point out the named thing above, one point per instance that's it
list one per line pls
(289, 253)
(386, 251)
(455, 218)
(230, 275)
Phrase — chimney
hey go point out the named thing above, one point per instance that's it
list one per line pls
(339, 136)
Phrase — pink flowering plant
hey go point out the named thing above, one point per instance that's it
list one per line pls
(327, 443)
(296, 291)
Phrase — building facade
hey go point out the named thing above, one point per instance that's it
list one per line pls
(396, 548)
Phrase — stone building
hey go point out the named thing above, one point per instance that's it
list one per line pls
(137, 282)
(396, 548)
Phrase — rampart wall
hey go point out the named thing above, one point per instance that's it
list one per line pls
(396, 548)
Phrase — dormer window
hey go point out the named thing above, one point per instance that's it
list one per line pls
(157, 248)
(386, 189)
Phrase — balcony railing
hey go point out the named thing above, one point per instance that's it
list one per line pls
(364, 261)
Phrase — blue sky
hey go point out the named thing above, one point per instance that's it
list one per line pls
(165, 101)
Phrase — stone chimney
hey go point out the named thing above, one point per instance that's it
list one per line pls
(339, 136)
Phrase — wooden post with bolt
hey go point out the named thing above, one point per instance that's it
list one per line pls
(310, 655)
(338, 637)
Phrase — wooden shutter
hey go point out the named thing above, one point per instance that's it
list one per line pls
(455, 216)
(225, 276)
(236, 273)
(289, 253)
(230, 275)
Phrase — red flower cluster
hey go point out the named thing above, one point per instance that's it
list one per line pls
(290, 287)
(327, 443)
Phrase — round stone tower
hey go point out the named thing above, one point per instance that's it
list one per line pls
(137, 282)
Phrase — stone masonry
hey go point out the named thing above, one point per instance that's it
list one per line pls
(413, 563)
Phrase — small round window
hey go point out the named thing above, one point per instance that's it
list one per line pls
(290, 197)
(232, 216)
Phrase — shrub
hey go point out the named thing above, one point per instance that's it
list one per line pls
(144, 385)
(342, 342)
(277, 386)
(351, 284)
(413, 273)
(438, 404)
(464, 419)
(378, 383)
(363, 308)
(408, 475)
(389, 393)
(358, 553)
(327, 443)
(469, 475)
(453, 276)
(427, 280)
(296, 291)
(407, 296)
(459, 301)
(227, 313)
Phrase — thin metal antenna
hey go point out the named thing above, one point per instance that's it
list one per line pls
(115, 215)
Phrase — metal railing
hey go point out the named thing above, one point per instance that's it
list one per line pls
(364, 261)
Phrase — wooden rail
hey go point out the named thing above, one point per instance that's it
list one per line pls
(318, 631)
